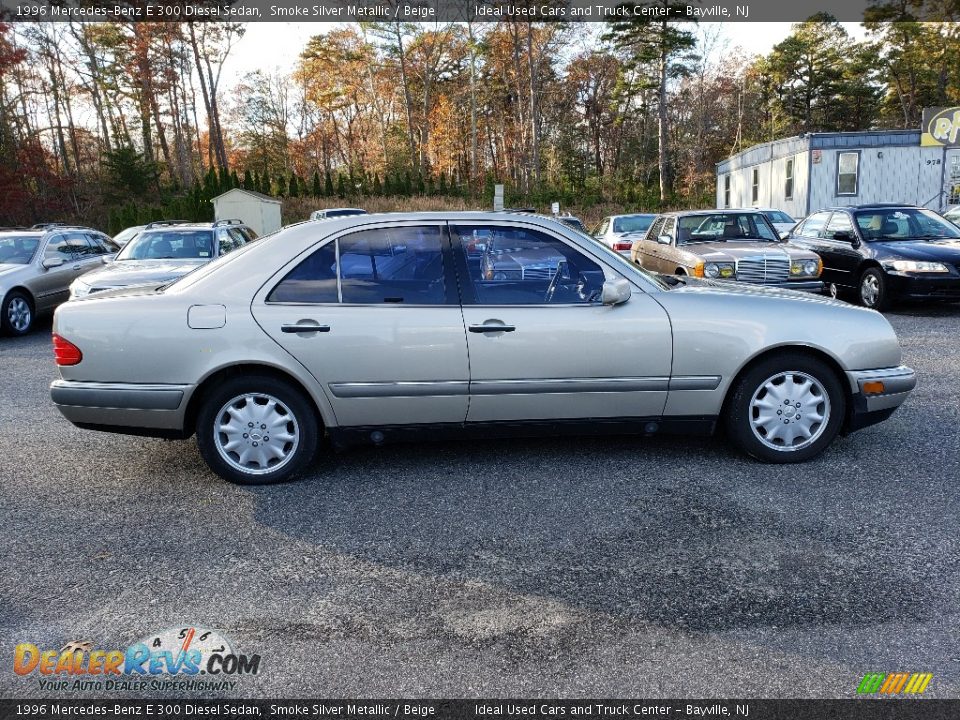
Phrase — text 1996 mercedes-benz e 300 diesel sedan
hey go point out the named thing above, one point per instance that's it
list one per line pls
(376, 327)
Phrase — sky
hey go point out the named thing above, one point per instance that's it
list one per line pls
(282, 42)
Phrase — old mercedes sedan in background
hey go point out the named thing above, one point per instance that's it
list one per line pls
(726, 245)
(379, 327)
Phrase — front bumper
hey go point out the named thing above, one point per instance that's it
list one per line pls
(135, 409)
(918, 287)
(872, 405)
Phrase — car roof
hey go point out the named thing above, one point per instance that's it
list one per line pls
(21, 233)
(873, 206)
(636, 214)
(712, 211)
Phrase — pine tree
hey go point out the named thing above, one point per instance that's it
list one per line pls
(377, 189)
(247, 180)
(223, 180)
(234, 180)
(421, 188)
(341, 186)
(317, 189)
(210, 184)
(265, 184)
(294, 188)
(442, 188)
(328, 185)
(407, 184)
(281, 185)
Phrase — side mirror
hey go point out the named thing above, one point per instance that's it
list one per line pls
(52, 262)
(615, 292)
(664, 239)
(107, 259)
(844, 235)
(785, 235)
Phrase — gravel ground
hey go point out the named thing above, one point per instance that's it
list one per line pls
(611, 567)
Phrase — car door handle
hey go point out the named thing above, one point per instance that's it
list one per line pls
(303, 328)
(492, 328)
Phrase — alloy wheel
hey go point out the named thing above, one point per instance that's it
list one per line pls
(18, 314)
(255, 433)
(789, 411)
(870, 290)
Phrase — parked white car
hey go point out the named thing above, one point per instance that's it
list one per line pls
(618, 232)
(781, 222)
(335, 213)
(363, 330)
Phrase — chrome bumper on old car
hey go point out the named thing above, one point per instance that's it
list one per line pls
(146, 409)
(877, 393)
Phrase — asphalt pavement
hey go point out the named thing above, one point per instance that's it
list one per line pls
(594, 567)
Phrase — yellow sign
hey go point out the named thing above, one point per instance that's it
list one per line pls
(941, 126)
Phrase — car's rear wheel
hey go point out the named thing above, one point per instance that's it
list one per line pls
(872, 290)
(17, 318)
(786, 409)
(255, 430)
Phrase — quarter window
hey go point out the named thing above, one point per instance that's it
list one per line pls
(520, 266)
(788, 180)
(312, 281)
(755, 186)
(848, 173)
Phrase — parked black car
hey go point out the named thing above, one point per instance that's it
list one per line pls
(884, 252)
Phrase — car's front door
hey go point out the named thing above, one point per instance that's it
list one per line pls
(542, 344)
(52, 285)
(650, 248)
(839, 249)
(375, 317)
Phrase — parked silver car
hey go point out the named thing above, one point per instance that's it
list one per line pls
(37, 267)
(163, 252)
(380, 327)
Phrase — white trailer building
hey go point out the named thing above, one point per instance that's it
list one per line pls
(802, 174)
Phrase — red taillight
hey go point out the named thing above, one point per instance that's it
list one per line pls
(622, 246)
(65, 352)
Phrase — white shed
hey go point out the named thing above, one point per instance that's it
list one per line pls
(261, 212)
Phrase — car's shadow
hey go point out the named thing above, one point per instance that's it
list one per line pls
(682, 534)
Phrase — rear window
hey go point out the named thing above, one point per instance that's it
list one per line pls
(18, 249)
(632, 223)
(776, 216)
(169, 245)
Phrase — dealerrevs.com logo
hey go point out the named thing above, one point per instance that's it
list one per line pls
(894, 683)
(166, 660)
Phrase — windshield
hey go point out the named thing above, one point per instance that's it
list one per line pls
(776, 216)
(904, 224)
(127, 234)
(632, 223)
(724, 227)
(18, 249)
(164, 245)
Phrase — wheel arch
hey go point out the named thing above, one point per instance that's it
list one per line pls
(25, 291)
(323, 412)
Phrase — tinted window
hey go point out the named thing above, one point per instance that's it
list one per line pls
(18, 249)
(812, 226)
(313, 281)
(68, 247)
(777, 216)
(521, 266)
(103, 244)
(393, 265)
(157, 245)
(632, 223)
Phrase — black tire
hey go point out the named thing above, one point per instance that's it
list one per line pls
(11, 315)
(291, 403)
(740, 415)
(879, 298)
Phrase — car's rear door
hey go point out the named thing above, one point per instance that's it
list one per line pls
(375, 316)
(543, 346)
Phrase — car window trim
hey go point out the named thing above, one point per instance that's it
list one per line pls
(452, 295)
(464, 272)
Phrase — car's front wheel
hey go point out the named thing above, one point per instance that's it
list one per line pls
(786, 409)
(873, 290)
(254, 430)
(17, 318)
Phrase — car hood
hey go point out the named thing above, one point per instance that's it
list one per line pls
(720, 287)
(933, 250)
(140, 272)
(732, 251)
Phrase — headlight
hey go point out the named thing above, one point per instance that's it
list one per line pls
(913, 266)
(718, 270)
(805, 267)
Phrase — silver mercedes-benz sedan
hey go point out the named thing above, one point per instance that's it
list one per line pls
(379, 327)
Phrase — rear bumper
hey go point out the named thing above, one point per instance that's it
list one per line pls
(122, 407)
(871, 405)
